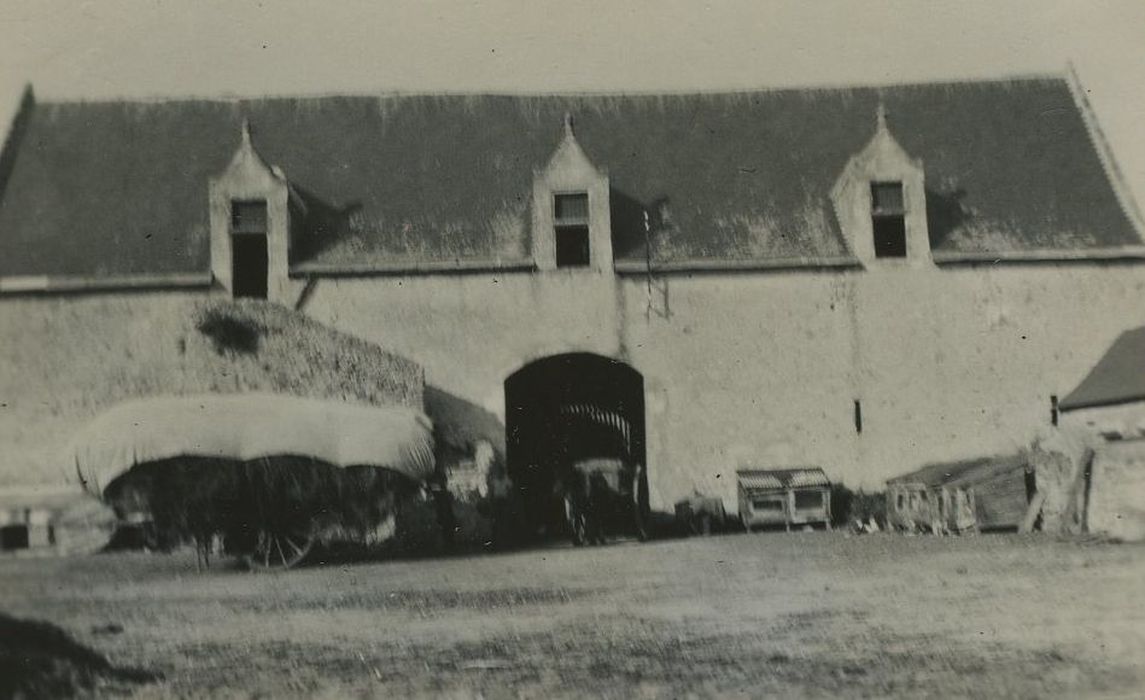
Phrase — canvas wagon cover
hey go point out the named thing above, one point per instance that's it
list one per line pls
(248, 426)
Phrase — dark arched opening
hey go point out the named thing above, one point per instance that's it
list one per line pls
(567, 408)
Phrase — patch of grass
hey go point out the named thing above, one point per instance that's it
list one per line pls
(438, 600)
(713, 617)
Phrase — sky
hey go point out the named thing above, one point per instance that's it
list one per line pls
(158, 48)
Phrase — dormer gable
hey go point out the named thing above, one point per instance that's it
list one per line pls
(571, 223)
(880, 202)
(250, 225)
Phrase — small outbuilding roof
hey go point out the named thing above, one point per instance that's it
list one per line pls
(799, 477)
(961, 472)
(1118, 377)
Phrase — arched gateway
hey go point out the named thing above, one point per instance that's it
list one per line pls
(565, 409)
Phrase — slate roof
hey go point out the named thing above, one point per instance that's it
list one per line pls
(1118, 377)
(800, 477)
(957, 473)
(120, 188)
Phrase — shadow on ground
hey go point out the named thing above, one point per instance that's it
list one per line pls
(40, 660)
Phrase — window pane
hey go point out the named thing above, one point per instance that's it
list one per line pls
(571, 207)
(808, 499)
(572, 246)
(248, 217)
(773, 504)
(887, 197)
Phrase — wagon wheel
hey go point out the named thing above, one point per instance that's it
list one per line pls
(640, 522)
(640, 514)
(638, 501)
(281, 547)
(576, 520)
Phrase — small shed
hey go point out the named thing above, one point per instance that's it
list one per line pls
(39, 520)
(1091, 468)
(988, 493)
(787, 497)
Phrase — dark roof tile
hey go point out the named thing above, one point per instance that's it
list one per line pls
(121, 187)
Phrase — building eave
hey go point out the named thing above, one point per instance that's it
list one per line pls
(1119, 254)
(444, 267)
(684, 266)
(1066, 407)
(78, 284)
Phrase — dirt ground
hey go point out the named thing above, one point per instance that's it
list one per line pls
(809, 614)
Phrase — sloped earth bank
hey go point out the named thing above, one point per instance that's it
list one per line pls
(816, 614)
(39, 660)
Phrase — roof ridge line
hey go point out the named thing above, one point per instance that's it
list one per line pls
(713, 92)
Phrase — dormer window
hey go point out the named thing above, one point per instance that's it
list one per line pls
(570, 206)
(880, 202)
(253, 219)
(570, 228)
(249, 250)
(888, 219)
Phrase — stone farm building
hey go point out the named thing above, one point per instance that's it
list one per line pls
(863, 279)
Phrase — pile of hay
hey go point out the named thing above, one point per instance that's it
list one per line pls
(247, 345)
(1061, 459)
(251, 345)
(95, 352)
(40, 660)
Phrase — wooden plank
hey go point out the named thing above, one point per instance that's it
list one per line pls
(1032, 512)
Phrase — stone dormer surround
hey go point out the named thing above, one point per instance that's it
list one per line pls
(570, 171)
(249, 177)
(882, 160)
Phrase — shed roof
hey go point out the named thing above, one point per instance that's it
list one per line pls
(1118, 377)
(120, 188)
(966, 471)
(798, 477)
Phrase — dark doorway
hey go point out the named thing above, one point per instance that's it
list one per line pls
(14, 537)
(570, 217)
(250, 265)
(888, 217)
(572, 246)
(890, 236)
(249, 260)
(563, 409)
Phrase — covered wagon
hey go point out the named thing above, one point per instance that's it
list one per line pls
(601, 497)
(269, 474)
